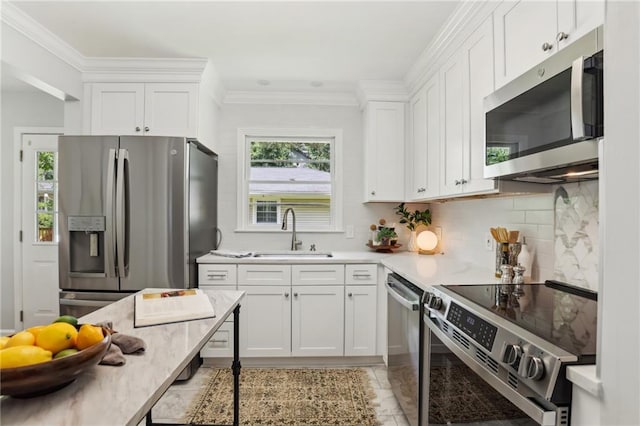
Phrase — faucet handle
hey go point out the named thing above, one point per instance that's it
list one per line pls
(297, 244)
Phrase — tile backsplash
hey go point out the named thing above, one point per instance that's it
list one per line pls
(576, 234)
(561, 230)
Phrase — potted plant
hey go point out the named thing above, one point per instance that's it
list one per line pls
(386, 235)
(413, 220)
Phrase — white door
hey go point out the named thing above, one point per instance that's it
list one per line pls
(39, 229)
(317, 320)
(451, 148)
(265, 321)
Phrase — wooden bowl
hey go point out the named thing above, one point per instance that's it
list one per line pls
(46, 377)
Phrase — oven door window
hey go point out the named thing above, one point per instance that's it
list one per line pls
(458, 395)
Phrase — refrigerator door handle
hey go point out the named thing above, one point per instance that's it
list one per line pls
(122, 213)
(110, 249)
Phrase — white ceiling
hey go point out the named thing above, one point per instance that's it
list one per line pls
(286, 43)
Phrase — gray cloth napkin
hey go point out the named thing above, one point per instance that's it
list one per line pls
(113, 356)
(128, 344)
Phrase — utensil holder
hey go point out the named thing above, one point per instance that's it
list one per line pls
(502, 257)
(514, 251)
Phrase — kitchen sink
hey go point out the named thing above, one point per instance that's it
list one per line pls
(291, 254)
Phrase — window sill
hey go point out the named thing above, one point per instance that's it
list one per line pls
(288, 231)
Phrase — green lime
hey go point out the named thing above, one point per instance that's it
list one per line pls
(69, 319)
(65, 352)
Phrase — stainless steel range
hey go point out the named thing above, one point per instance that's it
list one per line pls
(517, 339)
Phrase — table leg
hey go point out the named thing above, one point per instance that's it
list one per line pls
(235, 367)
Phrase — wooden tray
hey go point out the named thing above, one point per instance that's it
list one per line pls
(384, 249)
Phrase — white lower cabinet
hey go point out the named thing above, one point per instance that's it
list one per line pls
(221, 343)
(317, 320)
(265, 321)
(297, 310)
(359, 320)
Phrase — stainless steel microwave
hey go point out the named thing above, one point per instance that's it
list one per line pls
(545, 125)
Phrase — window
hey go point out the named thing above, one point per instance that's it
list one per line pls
(266, 212)
(289, 169)
(46, 213)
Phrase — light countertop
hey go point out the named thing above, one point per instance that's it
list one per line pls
(337, 257)
(108, 395)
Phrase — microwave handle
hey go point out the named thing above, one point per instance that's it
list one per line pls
(577, 91)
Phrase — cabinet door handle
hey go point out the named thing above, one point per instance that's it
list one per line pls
(373, 192)
(217, 276)
(146, 128)
(463, 181)
(218, 341)
(350, 295)
(286, 295)
(295, 294)
(562, 36)
(137, 128)
(361, 276)
(546, 46)
(457, 182)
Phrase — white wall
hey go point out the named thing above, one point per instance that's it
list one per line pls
(349, 119)
(619, 313)
(18, 110)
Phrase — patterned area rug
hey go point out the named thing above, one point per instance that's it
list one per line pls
(270, 396)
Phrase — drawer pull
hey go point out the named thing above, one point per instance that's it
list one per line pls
(361, 275)
(219, 341)
(217, 276)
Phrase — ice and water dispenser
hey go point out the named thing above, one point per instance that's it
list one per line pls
(86, 244)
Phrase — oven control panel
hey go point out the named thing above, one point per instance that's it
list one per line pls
(473, 326)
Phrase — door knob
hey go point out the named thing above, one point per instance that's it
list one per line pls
(457, 182)
(295, 294)
(137, 128)
(373, 192)
(562, 36)
(146, 128)
(350, 294)
(463, 181)
(286, 295)
(546, 46)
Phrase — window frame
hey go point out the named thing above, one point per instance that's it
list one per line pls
(244, 168)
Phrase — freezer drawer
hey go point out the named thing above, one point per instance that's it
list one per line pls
(82, 303)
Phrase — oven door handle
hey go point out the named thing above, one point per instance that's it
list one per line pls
(399, 297)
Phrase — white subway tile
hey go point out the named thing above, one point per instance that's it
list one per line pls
(516, 216)
(534, 202)
(542, 217)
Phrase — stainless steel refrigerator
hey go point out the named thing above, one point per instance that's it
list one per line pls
(134, 212)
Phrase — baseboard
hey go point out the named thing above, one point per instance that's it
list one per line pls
(289, 362)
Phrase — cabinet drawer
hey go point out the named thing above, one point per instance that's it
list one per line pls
(361, 274)
(221, 343)
(264, 274)
(214, 274)
(317, 274)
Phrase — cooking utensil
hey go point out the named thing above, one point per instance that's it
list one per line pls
(513, 236)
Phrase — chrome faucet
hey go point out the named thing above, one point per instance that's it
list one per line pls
(295, 244)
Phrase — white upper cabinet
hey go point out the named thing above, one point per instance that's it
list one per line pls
(384, 127)
(160, 109)
(527, 31)
(477, 83)
(424, 141)
(451, 122)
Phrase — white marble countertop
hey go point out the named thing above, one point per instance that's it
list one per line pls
(337, 257)
(427, 270)
(108, 395)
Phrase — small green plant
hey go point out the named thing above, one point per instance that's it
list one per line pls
(386, 234)
(413, 219)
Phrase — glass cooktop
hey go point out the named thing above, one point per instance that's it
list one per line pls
(563, 315)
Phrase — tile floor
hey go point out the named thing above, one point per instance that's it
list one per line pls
(172, 406)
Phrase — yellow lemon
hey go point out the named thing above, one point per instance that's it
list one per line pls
(57, 337)
(35, 330)
(22, 338)
(19, 356)
(3, 341)
(89, 335)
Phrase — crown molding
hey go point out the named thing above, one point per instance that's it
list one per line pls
(291, 98)
(381, 90)
(464, 20)
(143, 69)
(30, 28)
